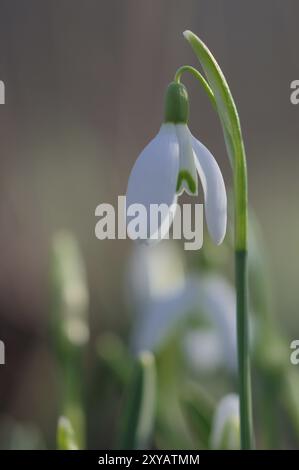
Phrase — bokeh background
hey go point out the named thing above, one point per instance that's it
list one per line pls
(85, 84)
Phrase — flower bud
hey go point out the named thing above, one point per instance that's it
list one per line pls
(226, 424)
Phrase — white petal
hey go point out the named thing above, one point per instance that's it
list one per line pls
(187, 172)
(153, 181)
(214, 191)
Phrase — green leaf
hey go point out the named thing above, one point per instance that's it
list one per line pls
(230, 122)
(113, 353)
(290, 396)
(140, 408)
(69, 296)
(229, 119)
(225, 104)
(69, 325)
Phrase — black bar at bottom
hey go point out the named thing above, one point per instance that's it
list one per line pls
(131, 459)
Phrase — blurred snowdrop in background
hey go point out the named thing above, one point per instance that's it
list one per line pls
(155, 273)
(214, 346)
(160, 293)
(226, 424)
(166, 297)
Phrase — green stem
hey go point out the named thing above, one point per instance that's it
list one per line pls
(199, 77)
(221, 98)
(243, 350)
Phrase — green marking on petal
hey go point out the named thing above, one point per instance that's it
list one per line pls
(185, 175)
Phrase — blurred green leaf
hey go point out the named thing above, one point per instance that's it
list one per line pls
(290, 396)
(140, 407)
(69, 326)
(15, 435)
(69, 295)
(114, 354)
(198, 408)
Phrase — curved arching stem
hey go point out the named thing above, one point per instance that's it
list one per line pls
(199, 77)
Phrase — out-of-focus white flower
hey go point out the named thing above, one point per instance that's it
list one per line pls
(160, 317)
(163, 296)
(155, 272)
(169, 165)
(203, 350)
(216, 302)
(160, 291)
(226, 424)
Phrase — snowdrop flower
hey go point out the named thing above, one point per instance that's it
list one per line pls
(169, 165)
(226, 423)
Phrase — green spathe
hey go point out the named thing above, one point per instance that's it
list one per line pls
(176, 104)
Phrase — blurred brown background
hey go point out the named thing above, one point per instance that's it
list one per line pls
(85, 83)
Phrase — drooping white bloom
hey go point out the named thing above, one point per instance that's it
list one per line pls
(169, 165)
(226, 423)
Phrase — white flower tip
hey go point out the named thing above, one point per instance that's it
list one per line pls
(216, 220)
(219, 234)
